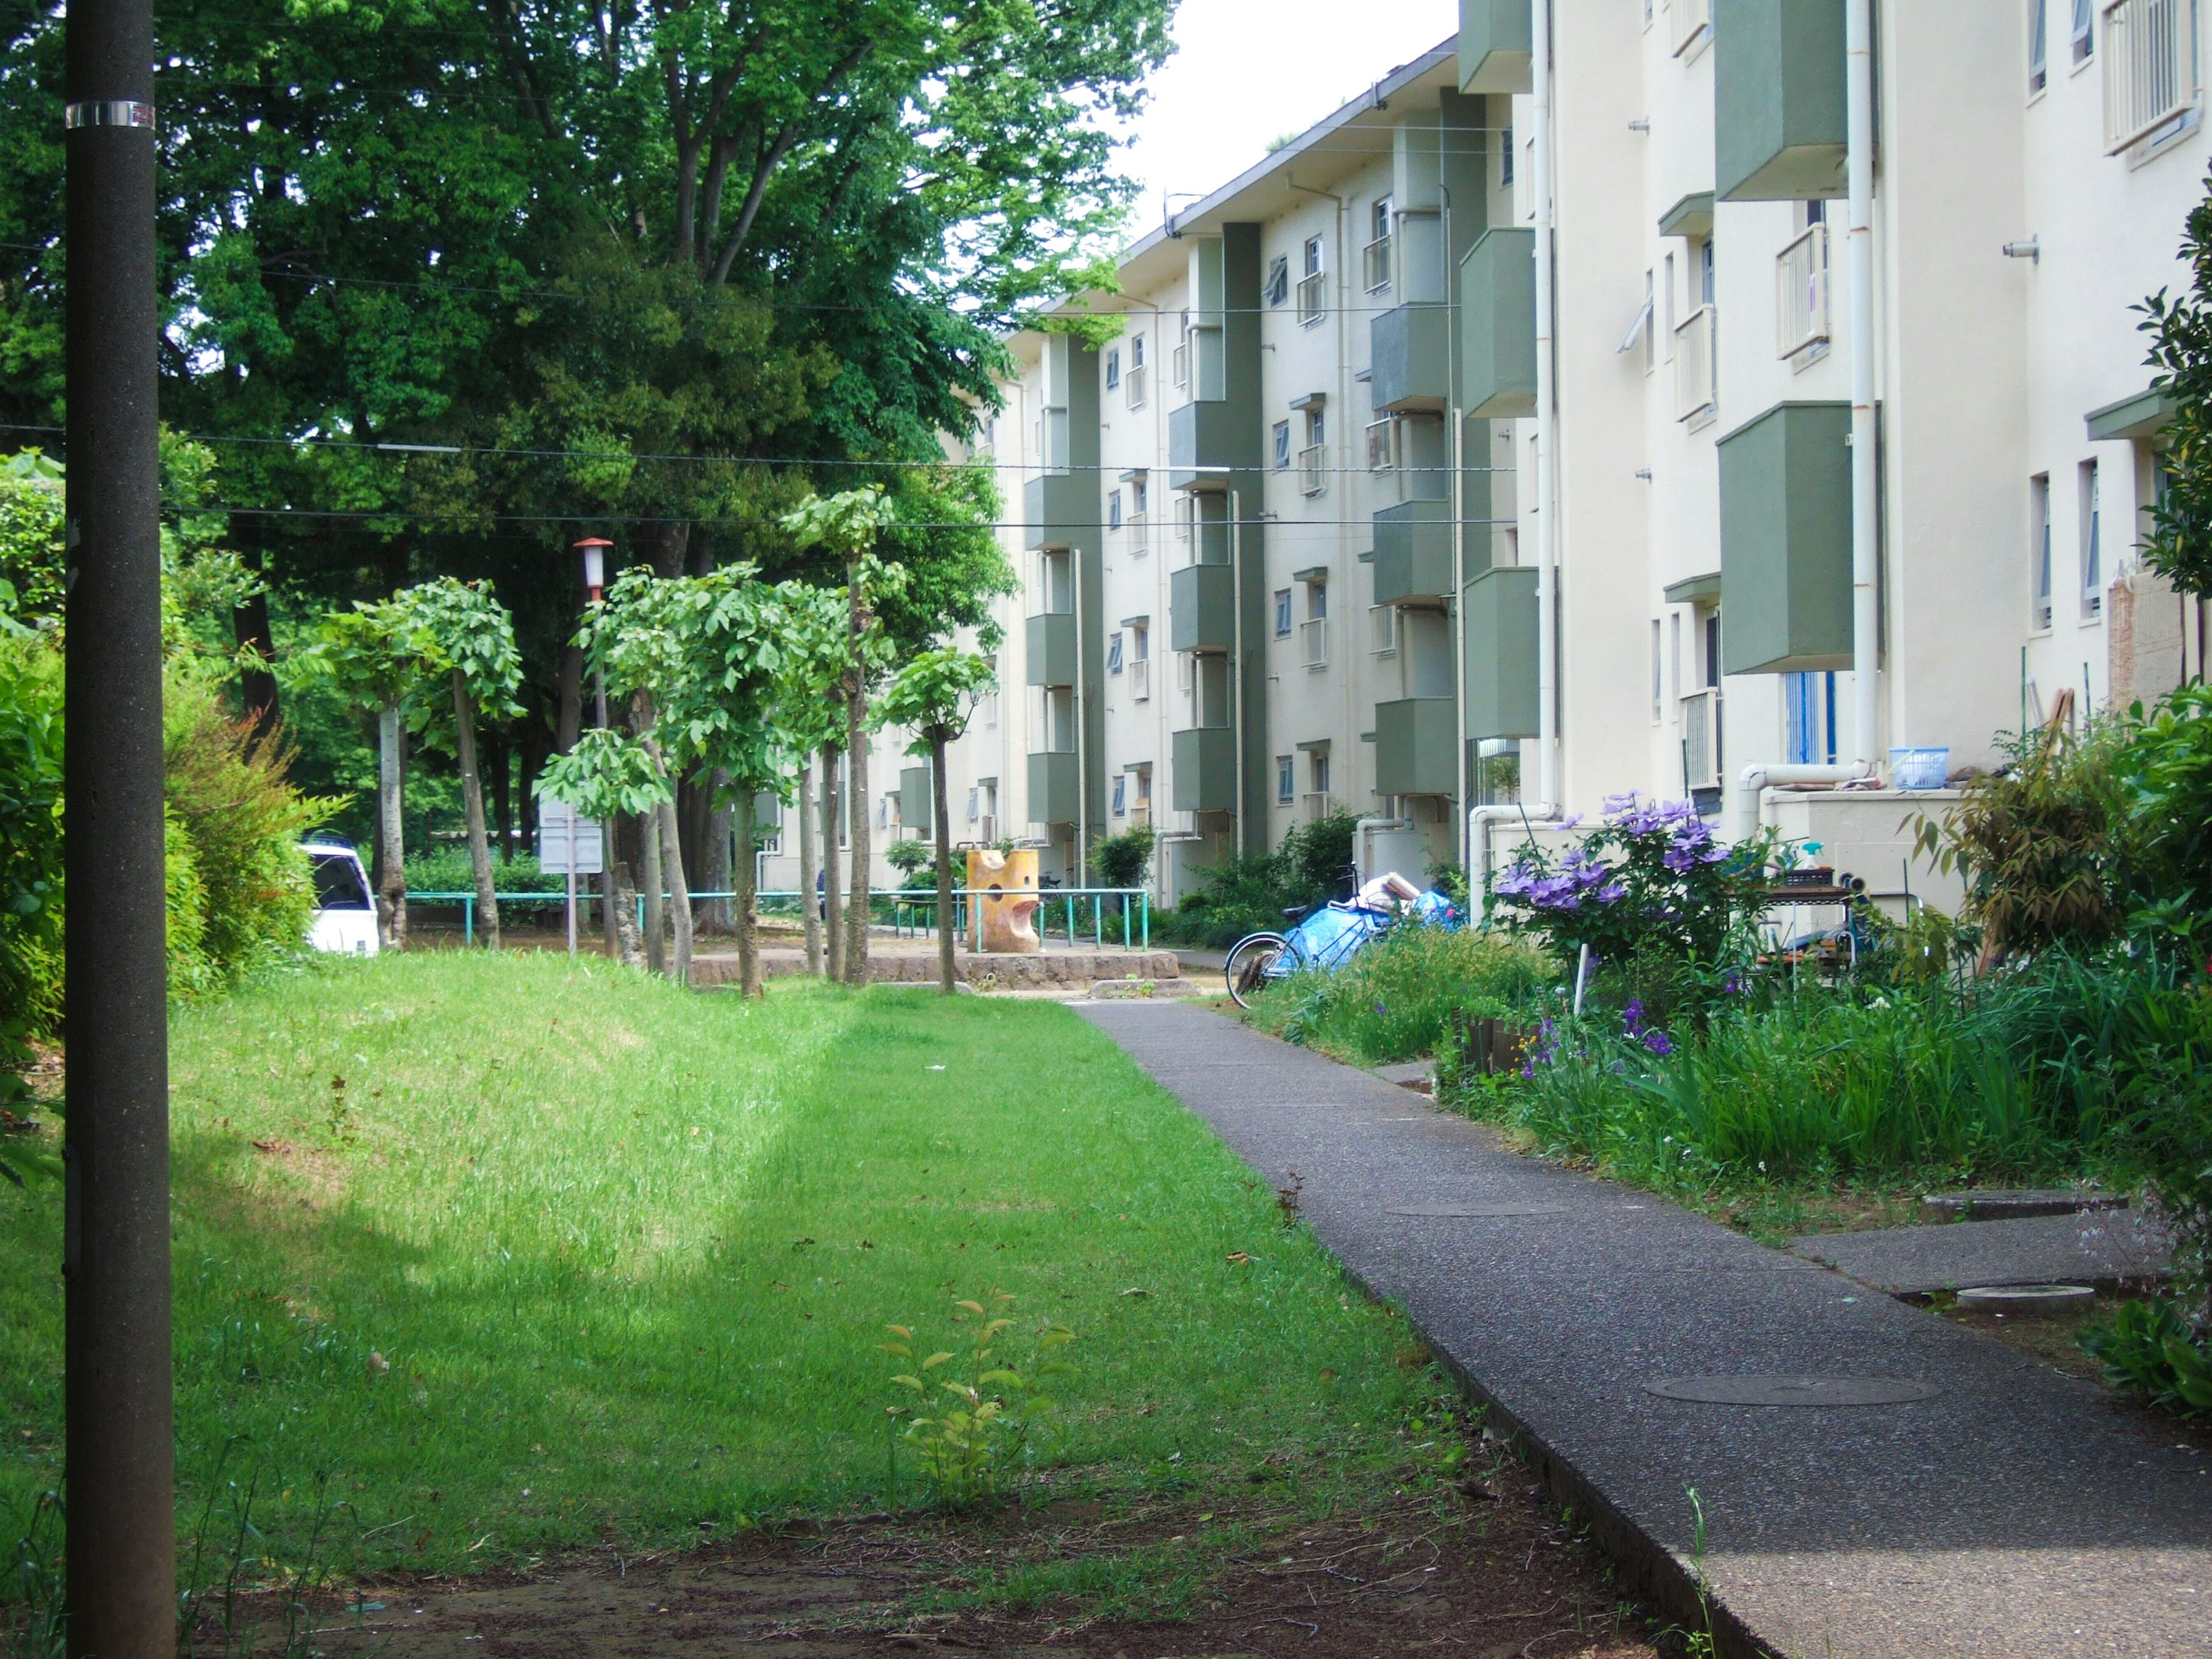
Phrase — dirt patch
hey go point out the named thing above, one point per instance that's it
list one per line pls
(1486, 1570)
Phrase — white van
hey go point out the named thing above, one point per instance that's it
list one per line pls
(345, 915)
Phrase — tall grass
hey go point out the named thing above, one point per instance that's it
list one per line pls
(1398, 998)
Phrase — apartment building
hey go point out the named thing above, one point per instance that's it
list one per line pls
(1399, 484)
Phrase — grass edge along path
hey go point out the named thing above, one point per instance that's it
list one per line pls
(484, 1257)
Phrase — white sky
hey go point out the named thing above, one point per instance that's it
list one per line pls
(1251, 71)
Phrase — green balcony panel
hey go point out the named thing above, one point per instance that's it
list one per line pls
(1053, 787)
(1205, 770)
(1204, 443)
(1413, 552)
(1060, 509)
(1786, 541)
(1494, 46)
(1498, 326)
(1501, 653)
(1051, 656)
(1410, 347)
(917, 811)
(1202, 608)
(1778, 100)
(1414, 741)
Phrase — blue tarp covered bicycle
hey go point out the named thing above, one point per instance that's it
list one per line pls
(1326, 936)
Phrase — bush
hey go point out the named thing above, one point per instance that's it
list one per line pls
(447, 870)
(2148, 1348)
(1241, 895)
(908, 855)
(1123, 860)
(30, 829)
(1398, 998)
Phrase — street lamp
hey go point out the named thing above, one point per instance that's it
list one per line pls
(595, 581)
(594, 550)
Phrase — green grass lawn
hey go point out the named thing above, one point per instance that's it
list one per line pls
(499, 1255)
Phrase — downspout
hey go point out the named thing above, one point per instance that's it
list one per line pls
(1866, 612)
(1081, 872)
(1237, 667)
(1866, 602)
(1462, 774)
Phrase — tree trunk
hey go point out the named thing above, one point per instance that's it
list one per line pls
(534, 745)
(256, 682)
(716, 860)
(749, 965)
(944, 976)
(570, 721)
(810, 865)
(623, 945)
(679, 894)
(465, 747)
(858, 803)
(499, 761)
(656, 943)
(390, 837)
(833, 911)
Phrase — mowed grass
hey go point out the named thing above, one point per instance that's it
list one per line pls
(478, 1257)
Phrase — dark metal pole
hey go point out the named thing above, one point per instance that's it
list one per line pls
(122, 1516)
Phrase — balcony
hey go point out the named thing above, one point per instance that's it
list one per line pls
(1414, 738)
(1785, 488)
(1139, 674)
(1313, 643)
(1501, 639)
(1313, 298)
(1694, 364)
(1205, 770)
(1060, 509)
(1375, 265)
(1778, 100)
(1493, 46)
(1313, 469)
(2150, 54)
(1051, 657)
(1498, 326)
(1202, 608)
(1410, 347)
(1138, 529)
(1054, 787)
(1700, 714)
(1133, 385)
(1413, 553)
(1208, 440)
(1801, 293)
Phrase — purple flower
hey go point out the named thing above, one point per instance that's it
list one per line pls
(1612, 892)
(1632, 1015)
(1731, 982)
(1659, 1043)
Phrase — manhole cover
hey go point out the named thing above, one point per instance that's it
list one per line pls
(1756, 1390)
(1498, 1209)
(2026, 1295)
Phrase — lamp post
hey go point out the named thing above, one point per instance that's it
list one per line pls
(594, 550)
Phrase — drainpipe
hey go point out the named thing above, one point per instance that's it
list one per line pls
(1743, 806)
(1458, 453)
(1866, 605)
(1540, 491)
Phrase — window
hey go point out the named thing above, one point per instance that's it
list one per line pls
(1317, 427)
(1135, 380)
(2093, 551)
(1139, 496)
(1287, 780)
(1713, 647)
(1282, 612)
(2038, 552)
(1706, 271)
(1113, 368)
(1809, 705)
(1314, 477)
(2085, 31)
(1375, 257)
(2038, 71)
(975, 805)
(2150, 70)
(1278, 279)
(1666, 335)
(1313, 286)
(1658, 670)
(1140, 642)
(1120, 794)
(1114, 509)
(1282, 446)
(1651, 333)
(1317, 767)
(1317, 600)
(1113, 653)
(1055, 586)
(1136, 351)
(1505, 159)
(1315, 249)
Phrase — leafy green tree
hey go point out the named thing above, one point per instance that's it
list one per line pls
(367, 654)
(936, 695)
(813, 719)
(1123, 860)
(457, 630)
(2179, 547)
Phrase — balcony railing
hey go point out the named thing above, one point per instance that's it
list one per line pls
(1701, 740)
(2150, 67)
(1693, 364)
(1179, 362)
(1140, 672)
(1382, 630)
(1140, 532)
(1375, 264)
(1801, 293)
(1381, 445)
(1313, 469)
(1692, 19)
(1313, 641)
(1313, 298)
(1133, 385)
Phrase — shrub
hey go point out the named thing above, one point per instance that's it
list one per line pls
(1401, 995)
(908, 855)
(30, 828)
(2148, 1348)
(1241, 895)
(447, 870)
(1123, 860)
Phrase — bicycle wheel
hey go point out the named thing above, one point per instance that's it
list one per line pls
(1250, 959)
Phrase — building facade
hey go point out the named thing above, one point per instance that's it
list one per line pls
(1333, 512)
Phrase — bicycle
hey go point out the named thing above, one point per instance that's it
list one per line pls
(1324, 935)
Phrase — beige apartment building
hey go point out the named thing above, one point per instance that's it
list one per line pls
(1412, 487)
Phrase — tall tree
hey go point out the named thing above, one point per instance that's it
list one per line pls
(936, 695)
(2179, 547)
(366, 652)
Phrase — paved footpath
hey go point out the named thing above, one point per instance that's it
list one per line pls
(2011, 1511)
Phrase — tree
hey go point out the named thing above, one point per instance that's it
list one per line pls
(366, 652)
(458, 630)
(848, 525)
(811, 719)
(936, 694)
(607, 774)
(2179, 547)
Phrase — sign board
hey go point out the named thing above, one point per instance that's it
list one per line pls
(566, 843)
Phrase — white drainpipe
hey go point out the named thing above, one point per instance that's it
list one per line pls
(1866, 611)
(1542, 496)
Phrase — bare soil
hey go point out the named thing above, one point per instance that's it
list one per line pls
(1486, 1570)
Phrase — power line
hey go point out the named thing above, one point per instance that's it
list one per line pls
(419, 517)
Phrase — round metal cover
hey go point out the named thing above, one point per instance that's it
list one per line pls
(1502, 1209)
(1770, 1390)
(2027, 1296)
